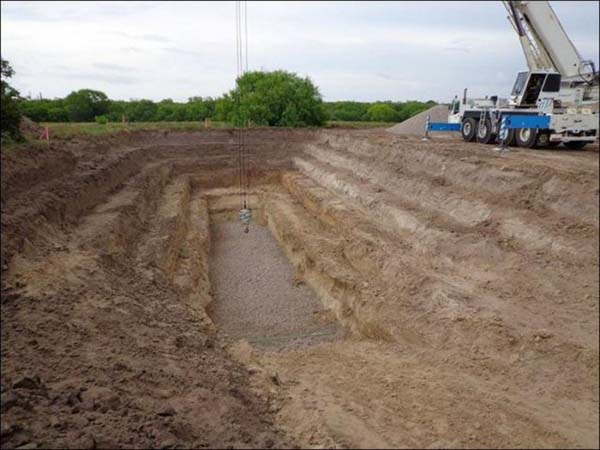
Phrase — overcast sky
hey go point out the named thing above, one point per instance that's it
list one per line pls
(361, 51)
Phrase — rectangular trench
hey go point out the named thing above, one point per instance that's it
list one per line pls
(257, 294)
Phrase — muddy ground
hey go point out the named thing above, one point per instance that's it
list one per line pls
(458, 288)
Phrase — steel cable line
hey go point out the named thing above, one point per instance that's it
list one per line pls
(241, 40)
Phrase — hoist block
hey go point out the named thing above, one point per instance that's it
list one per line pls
(245, 216)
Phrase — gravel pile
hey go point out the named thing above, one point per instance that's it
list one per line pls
(416, 124)
(256, 295)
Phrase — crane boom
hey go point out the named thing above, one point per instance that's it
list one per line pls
(544, 40)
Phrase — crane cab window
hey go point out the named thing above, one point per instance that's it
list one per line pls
(534, 87)
(455, 106)
(552, 83)
(520, 83)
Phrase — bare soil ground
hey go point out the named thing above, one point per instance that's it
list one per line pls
(464, 285)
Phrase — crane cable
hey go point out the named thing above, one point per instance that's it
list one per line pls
(241, 29)
(238, 74)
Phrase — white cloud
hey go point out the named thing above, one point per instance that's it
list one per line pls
(352, 50)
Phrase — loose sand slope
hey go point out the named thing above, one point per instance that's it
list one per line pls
(416, 124)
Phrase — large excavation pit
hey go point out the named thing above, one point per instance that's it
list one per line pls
(394, 292)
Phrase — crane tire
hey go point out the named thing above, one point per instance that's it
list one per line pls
(543, 139)
(468, 129)
(526, 137)
(484, 133)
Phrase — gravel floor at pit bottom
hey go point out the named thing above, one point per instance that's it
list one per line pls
(257, 296)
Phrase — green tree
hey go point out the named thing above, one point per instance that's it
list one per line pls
(169, 111)
(84, 105)
(279, 98)
(223, 108)
(382, 112)
(9, 105)
(57, 112)
(198, 108)
(141, 110)
(347, 111)
(408, 109)
(45, 110)
(116, 110)
(36, 110)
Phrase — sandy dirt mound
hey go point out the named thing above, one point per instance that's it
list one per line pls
(416, 124)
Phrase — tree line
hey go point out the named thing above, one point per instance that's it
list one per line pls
(88, 106)
(276, 99)
(387, 111)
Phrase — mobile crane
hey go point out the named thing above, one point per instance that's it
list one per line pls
(559, 85)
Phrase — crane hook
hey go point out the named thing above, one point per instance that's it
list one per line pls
(245, 216)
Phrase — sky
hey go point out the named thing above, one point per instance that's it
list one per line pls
(363, 51)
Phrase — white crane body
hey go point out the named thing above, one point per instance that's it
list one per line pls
(559, 84)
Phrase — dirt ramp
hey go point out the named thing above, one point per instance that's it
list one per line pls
(416, 124)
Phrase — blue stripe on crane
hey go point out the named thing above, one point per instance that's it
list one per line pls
(512, 121)
(522, 121)
(442, 126)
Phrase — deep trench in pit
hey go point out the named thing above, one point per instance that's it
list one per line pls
(257, 294)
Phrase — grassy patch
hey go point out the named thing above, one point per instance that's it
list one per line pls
(345, 124)
(63, 130)
(66, 130)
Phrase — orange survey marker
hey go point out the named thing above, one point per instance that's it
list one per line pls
(45, 134)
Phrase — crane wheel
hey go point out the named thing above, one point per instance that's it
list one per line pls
(526, 137)
(468, 129)
(484, 133)
(543, 139)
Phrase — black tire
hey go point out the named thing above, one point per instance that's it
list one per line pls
(575, 145)
(543, 139)
(526, 137)
(484, 133)
(468, 129)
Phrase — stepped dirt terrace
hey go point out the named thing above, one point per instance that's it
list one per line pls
(390, 293)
